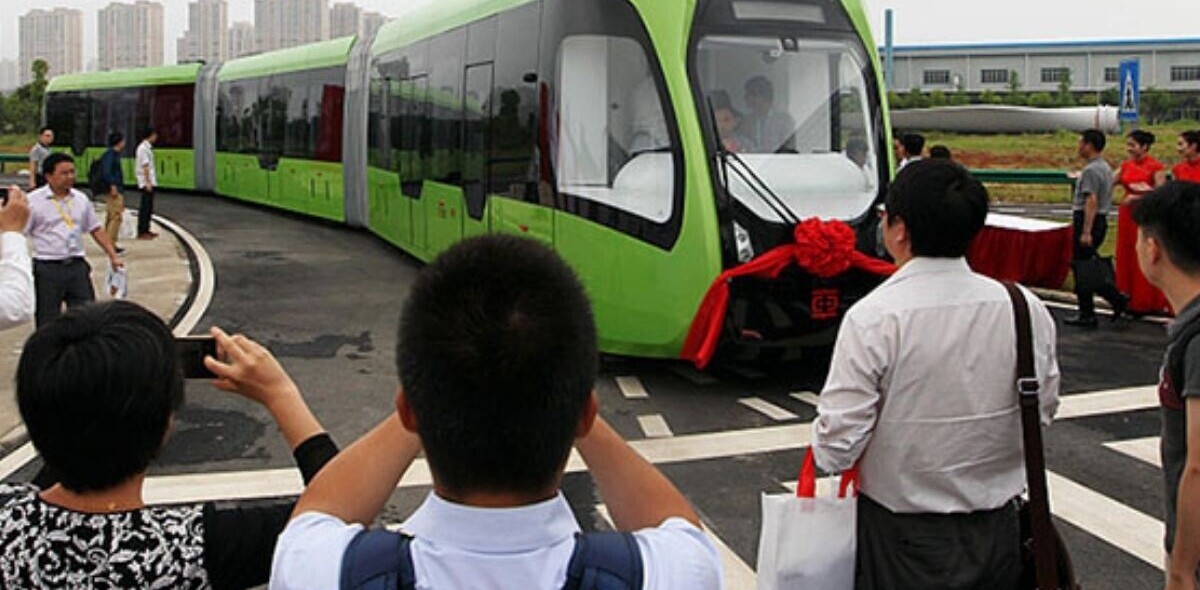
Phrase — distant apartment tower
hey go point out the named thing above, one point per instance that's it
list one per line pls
(207, 37)
(55, 36)
(345, 19)
(10, 74)
(241, 40)
(280, 24)
(130, 35)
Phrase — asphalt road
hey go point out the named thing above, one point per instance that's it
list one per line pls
(326, 300)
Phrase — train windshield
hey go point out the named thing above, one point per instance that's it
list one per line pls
(794, 120)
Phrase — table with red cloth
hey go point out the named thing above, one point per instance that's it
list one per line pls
(1032, 252)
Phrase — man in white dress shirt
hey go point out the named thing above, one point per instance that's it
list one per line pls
(910, 148)
(16, 268)
(497, 358)
(147, 181)
(921, 395)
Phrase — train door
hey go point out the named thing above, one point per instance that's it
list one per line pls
(476, 117)
(516, 204)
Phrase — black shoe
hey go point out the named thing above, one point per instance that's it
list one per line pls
(119, 250)
(1081, 321)
(1121, 307)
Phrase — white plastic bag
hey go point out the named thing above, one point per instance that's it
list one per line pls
(115, 283)
(808, 543)
(128, 225)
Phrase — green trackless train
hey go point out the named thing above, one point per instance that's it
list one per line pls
(653, 144)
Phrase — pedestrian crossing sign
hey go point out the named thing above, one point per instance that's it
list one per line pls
(1129, 79)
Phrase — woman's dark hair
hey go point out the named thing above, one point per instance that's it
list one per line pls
(1191, 138)
(1142, 138)
(1171, 214)
(497, 357)
(942, 205)
(97, 388)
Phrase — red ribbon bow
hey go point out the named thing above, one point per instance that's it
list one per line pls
(822, 248)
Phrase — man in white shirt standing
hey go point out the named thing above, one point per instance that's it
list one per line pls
(922, 396)
(16, 269)
(147, 181)
(497, 358)
(909, 148)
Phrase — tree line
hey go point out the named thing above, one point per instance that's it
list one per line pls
(21, 109)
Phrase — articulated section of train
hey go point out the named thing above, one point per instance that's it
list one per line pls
(655, 145)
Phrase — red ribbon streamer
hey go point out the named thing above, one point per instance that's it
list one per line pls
(822, 248)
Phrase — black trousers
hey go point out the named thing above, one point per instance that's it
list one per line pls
(56, 282)
(1087, 304)
(145, 211)
(970, 551)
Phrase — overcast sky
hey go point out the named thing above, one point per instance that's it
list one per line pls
(917, 21)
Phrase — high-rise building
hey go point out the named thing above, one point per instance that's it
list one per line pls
(207, 37)
(280, 24)
(345, 19)
(10, 75)
(371, 23)
(241, 40)
(55, 36)
(130, 35)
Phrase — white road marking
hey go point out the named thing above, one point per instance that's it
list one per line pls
(738, 575)
(807, 397)
(16, 460)
(1127, 529)
(767, 408)
(655, 426)
(1142, 449)
(207, 278)
(1107, 402)
(632, 388)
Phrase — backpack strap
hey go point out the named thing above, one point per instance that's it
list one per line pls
(378, 560)
(1175, 368)
(605, 561)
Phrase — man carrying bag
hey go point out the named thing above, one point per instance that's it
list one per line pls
(921, 397)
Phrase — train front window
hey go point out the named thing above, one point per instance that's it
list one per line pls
(796, 114)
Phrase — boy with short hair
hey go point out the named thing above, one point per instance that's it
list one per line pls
(497, 359)
(1168, 249)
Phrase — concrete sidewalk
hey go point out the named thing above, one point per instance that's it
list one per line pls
(159, 278)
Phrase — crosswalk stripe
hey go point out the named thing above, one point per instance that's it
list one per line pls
(807, 397)
(1113, 401)
(632, 388)
(767, 409)
(738, 575)
(1127, 529)
(1142, 449)
(655, 426)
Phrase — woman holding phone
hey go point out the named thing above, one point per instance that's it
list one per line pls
(98, 420)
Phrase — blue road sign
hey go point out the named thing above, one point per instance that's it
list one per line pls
(1129, 77)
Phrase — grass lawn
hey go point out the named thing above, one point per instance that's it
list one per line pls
(1045, 151)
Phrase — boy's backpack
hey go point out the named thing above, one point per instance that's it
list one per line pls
(382, 560)
(95, 177)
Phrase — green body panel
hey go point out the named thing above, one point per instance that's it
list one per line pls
(306, 57)
(386, 207)
(523, 219)
(176, 167)
(134, 78)
(444, 208)
(432, 18)
(304, 186)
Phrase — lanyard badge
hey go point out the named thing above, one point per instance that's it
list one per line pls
(74, 239)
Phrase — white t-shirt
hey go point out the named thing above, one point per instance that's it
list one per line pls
(145, 159)
(463, 548)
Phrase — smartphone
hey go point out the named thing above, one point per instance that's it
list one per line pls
(191, 351)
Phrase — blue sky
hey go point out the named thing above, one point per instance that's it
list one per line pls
(917, 21)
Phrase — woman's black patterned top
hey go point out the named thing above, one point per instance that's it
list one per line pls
(227, 545)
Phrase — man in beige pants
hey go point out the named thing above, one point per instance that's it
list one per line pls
(114, 181)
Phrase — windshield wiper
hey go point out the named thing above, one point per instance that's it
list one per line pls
(746, 173)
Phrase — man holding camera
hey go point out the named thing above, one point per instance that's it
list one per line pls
(59, 215)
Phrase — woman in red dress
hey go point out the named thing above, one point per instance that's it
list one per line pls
(1189, 147)
(1140, 174)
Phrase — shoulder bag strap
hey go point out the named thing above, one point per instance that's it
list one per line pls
(378, 560)
(607, 560)
(1028, 390)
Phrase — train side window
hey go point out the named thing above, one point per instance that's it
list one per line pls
(327, 91)
(513, 163)
(378, 142)
(172, 115)
(272, 115)
(249, 121)
(445, 106)
(415, 121)
(295, 95)
(613, 144)
(68, 113)
(477, 113)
